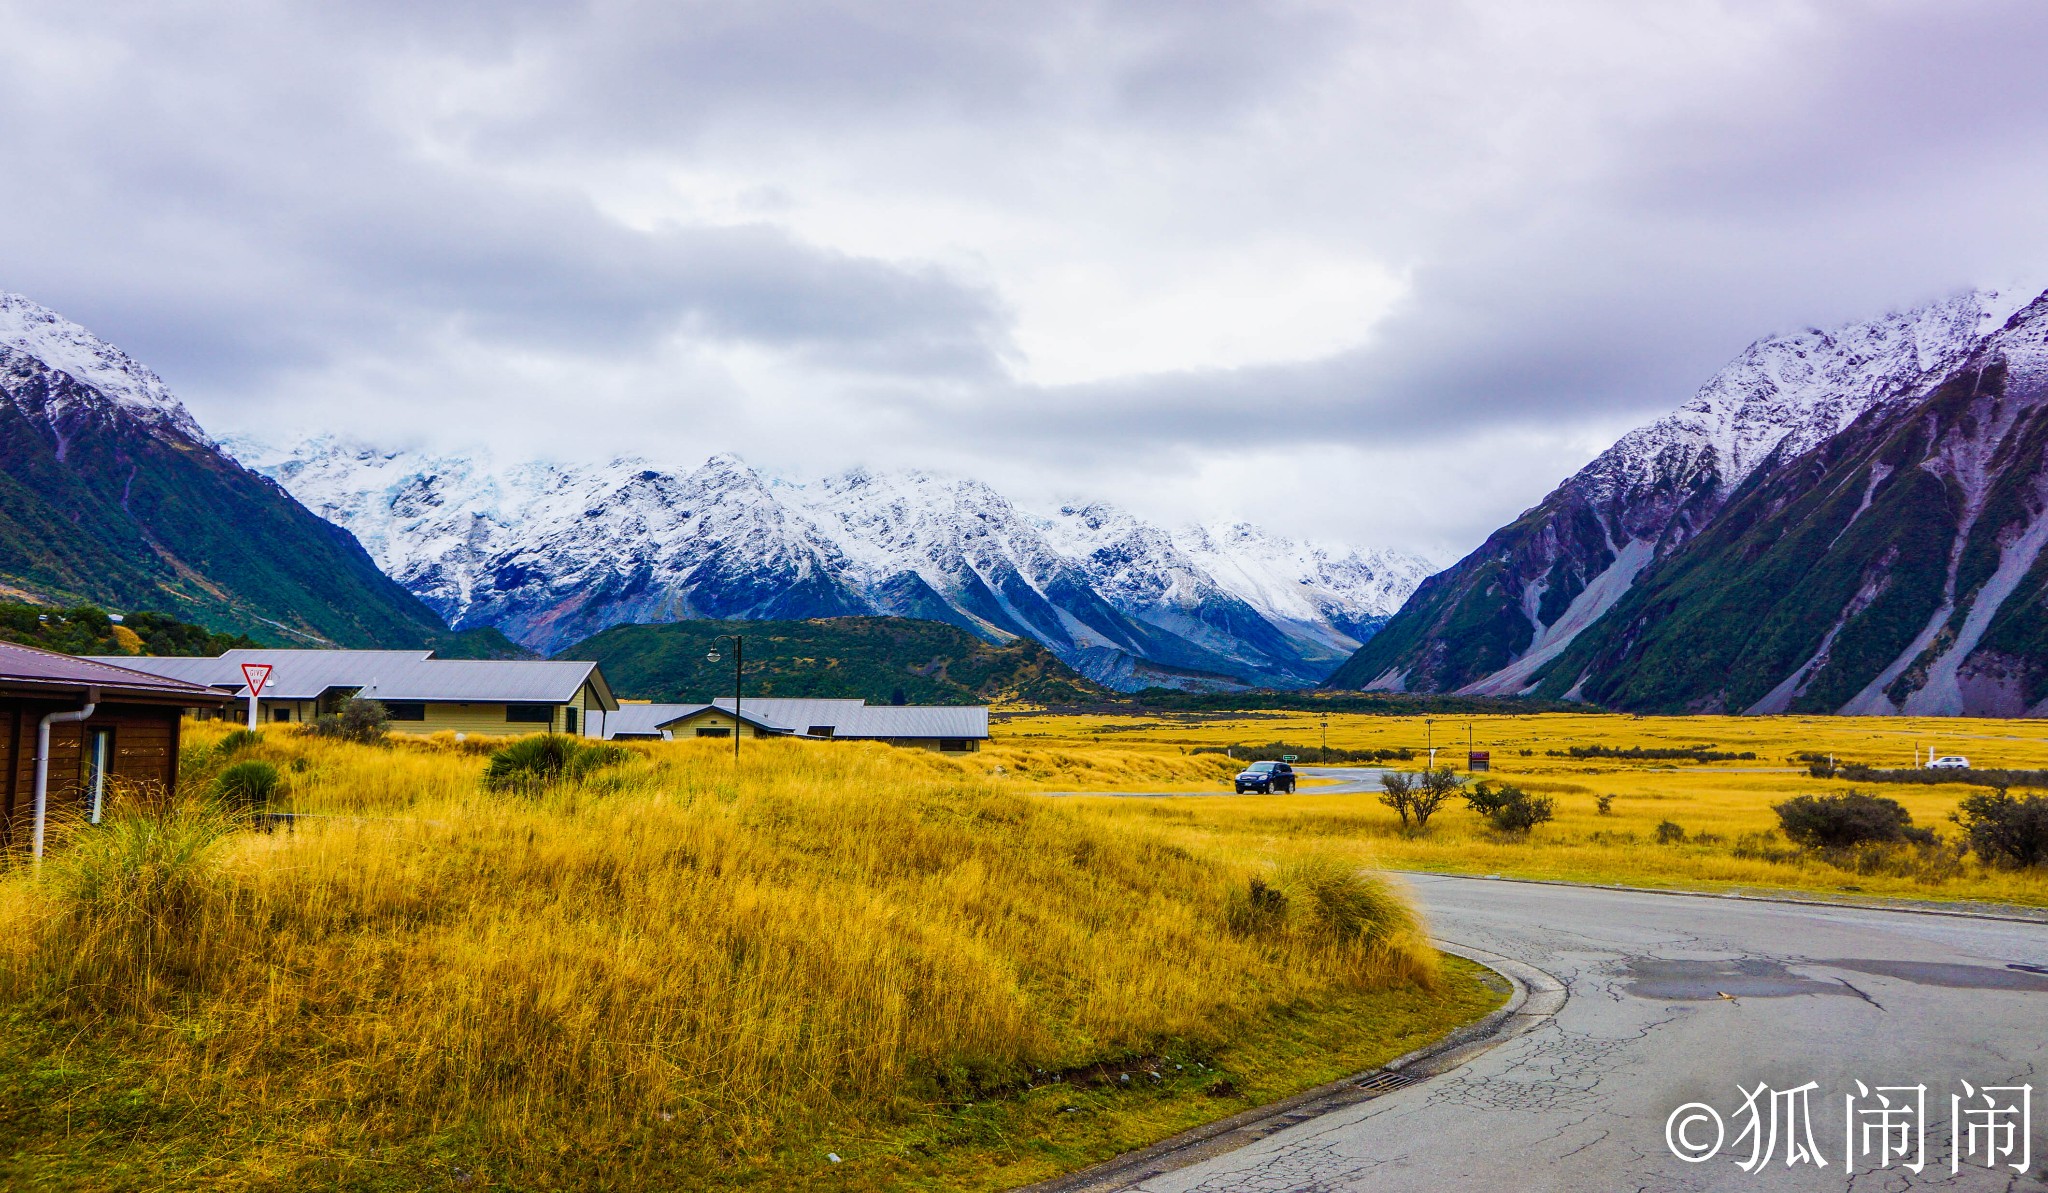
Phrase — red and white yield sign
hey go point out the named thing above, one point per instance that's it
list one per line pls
(257, 674)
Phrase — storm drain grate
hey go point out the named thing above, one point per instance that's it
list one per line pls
(1385, 1083)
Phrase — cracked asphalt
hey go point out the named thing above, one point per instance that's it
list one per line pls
(1670, 1000)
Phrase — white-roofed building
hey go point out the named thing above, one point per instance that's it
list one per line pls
(422, 693)
(951, 728)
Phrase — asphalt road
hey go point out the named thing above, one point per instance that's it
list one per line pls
(1580, 1100)
(1350, 780)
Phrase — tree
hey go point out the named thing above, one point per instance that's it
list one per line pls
(1436, 787)
(1398, 794)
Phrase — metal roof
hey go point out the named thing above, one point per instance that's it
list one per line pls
(646, 720)
(858, 718)
(43, 670)
(388, 675)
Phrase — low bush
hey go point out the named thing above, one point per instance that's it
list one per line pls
(548, 758)
(1841, 821)
(2006, 830)
(1604, 804)
(246, 785)
(1509, 808)
(1705, 753)
(1670, 832)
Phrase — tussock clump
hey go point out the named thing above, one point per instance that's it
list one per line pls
(130, 894)
(247, 785)
(536, 761)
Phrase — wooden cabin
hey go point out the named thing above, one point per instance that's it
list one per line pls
(130, 737)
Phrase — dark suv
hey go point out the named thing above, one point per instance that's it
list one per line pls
(1265, 778)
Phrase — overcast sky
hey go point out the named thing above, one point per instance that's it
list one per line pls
(1379, 272)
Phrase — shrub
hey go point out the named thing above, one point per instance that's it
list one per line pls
(1509, 808)
(2004, 829)
(247, 784)
(547, 758)
(1604, 804)
(1670, 832)
(1852, 818)
(360, 720)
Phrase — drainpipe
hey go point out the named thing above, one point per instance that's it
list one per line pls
(92, 700)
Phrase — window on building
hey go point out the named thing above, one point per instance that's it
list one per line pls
(821, 730)
(99, 762)
(714, 731)
(530, 714)
(280, 714)
(407, 711)
(954, 745)
(569, 719)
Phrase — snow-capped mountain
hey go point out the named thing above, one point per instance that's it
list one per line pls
(1490, 622)
(29, 329)
(551, 554)
(115, 496)
(1895, 568)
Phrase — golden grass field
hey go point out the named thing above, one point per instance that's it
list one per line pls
(1728, 803)
(675, 973)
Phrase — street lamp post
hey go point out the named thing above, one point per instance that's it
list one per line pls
(739, 654)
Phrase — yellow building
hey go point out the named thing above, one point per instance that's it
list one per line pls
(423, 694)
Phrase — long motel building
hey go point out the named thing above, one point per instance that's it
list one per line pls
(943, 727)
(423, 694)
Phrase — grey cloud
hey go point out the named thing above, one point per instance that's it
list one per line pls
(252, 197)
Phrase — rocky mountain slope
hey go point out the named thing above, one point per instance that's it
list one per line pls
(111, 494)
(552, 554)
(1897, 567)
(1502, 618)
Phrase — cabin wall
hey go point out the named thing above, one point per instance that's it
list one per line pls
(143, 760)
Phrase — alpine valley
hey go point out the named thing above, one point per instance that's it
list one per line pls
(552, 554)
(1847, 521)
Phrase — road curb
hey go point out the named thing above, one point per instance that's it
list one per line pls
(1533, 996)
(1791, 900)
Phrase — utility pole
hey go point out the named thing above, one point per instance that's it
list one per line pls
(1429, 741)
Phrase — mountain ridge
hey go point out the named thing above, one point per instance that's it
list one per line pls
(551, 553)
(1489, 623)
(1879, 550)
(111, 495)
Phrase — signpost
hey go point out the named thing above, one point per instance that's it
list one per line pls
(1478, 760)
(257, 674)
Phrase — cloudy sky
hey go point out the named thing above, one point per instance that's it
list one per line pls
(1381, 272)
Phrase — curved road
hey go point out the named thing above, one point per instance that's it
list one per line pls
(1580, 1100)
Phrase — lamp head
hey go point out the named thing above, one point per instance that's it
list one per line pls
(712, 656)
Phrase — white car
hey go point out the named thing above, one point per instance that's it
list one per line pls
(1949, 762)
